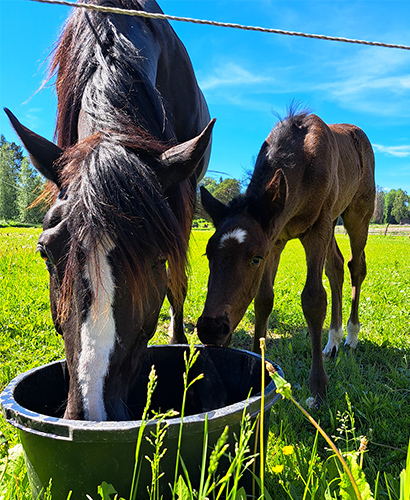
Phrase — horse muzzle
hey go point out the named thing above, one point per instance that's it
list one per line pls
(214, 331)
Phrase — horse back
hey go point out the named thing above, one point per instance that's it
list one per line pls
(175, 79)
(355, 166)
(185, 106)
(337, 165)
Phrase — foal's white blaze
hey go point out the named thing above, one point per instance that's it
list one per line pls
(97, 336)
(352, 334)
(335, 337)
(237, 234)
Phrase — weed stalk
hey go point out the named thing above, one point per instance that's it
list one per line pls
(189, 362)
(152, 383)
(284, 388)
(262, 345)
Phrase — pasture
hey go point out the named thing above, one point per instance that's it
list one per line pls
(369, 393)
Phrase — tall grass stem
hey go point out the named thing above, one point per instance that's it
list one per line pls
(262, 345)
(284, 389)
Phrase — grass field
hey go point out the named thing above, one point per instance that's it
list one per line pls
(369, 393)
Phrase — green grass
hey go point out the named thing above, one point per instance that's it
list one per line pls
(28, 338)
(376, 377)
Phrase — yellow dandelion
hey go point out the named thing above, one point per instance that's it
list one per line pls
(277, 469)
(288, 450)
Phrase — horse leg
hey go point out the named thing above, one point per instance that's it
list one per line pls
(335, 273)
(176, 329)
(314, 301)
(357, 231)
(264, 298)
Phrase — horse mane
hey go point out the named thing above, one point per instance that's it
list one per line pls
(117, 193)
(278, 148)
(100, 71)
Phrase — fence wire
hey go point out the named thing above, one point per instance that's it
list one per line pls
(154, 15)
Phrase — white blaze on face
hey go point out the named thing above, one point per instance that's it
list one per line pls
(97, 336)
(237, 234)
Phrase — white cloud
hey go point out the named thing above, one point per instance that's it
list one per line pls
(366, 83)
(399, 151)
(231, 75)
(370, 81)
(32, 118)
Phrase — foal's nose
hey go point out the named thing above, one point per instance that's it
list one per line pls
(214, 331)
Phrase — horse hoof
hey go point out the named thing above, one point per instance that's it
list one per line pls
(330, 352)
(315, 403)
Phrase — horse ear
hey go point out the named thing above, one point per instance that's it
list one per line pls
(43, 153)
(180, 162)
(215, 208)
(275, 194)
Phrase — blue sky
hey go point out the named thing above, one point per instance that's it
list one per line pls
(248, 77)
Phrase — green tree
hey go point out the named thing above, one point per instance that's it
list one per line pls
(227, 190)
(30, 184)
(400, 206)
(378, 214)
(388, 205)
(210, 184)
(224, 191)
(11, 157)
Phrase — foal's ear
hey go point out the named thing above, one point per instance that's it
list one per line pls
(43, 153)
(215, 208)
(274, 197)
(180, 162)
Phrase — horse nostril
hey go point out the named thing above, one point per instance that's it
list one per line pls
(215, 331)
(225, 325)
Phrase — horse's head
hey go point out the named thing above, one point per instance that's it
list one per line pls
(105, 241)
(237, 254)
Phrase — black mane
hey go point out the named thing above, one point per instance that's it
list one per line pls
(98, 62)
(277, 151)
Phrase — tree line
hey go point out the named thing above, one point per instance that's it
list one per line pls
(391, 207)
(224, 191)
(21, 184)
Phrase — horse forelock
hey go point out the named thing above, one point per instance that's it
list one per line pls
(116, 196)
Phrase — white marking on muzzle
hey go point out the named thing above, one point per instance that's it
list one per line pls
(97, 335)
(237, 234)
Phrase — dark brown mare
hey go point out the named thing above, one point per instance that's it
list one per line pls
(306, 175)
(133, 137)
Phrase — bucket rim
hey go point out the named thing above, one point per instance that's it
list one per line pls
(80, 430)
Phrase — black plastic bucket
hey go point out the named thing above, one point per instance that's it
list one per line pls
(78, 456)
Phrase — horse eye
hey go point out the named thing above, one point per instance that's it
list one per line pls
(160, 262)
(255, 261)
(45, 256)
